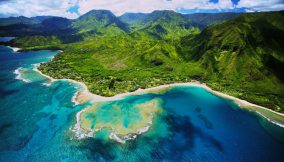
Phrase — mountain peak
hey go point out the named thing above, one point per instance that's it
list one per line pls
(133, 18)
(99, 21)
(98, 12)
(164, 15)
(164, 12)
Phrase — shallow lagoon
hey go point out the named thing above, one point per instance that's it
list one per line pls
(36, 122)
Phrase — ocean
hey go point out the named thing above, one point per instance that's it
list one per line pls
(37, 119)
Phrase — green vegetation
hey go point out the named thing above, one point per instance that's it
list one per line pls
(242, 57)
(16, 20)
(99, 23)
(38, 42)
(133, 18)
(120, 64)
(42, 25)
(203, 20)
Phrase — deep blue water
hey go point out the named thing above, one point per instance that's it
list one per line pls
(36, 119)
(6, 39)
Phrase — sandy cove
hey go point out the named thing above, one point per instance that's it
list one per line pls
(84, 95)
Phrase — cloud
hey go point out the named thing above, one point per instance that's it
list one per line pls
(119, 7)
(74, 8)
(36, 7)
(261, 5)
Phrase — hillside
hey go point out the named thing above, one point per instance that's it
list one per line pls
(38, 42)
(202, 20)
(99, 23)
(244, 56)
(17, 20)
(121, 64)
(57, 25)
(41, 25)
(167, 24)
(133, 18)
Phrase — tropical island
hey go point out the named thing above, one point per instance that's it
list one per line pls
(164, 85)
(238, 54)
(154, 80)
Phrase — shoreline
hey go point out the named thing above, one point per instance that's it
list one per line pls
(83, 95)
(15, 49)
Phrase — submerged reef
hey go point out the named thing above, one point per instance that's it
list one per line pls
(119, 120)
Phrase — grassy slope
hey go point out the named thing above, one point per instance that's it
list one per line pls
(120, 64)
(99, 23)
(243, 57)
(38, 42)
(133, 18)
(203, 20)
(167, 25)
(17, 20)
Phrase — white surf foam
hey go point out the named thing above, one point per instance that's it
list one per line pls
(15, 49)
(115, 137)
(74, 99)
(46, 84)
(19, 75)
(273, 122)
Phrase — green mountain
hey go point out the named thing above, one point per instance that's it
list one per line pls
(202, 20)
(18, 26)
(167, 25)
(41, 25)
(40, 19)
(17, 20)
(133, 18)
(164, 16)
(100, 23)
(57, 26)
(37, 42)
(244, 55)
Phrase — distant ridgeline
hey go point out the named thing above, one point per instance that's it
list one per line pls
(239, 54)
(99, 22)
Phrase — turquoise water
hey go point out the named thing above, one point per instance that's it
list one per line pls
(36, 122)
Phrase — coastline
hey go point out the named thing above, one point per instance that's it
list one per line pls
(84, 95)
(15, 49)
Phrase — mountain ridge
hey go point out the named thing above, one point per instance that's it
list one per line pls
(34, 26)
(245, 52)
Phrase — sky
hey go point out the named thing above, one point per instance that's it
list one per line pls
(75, 8)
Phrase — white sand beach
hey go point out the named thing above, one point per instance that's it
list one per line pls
(85, 95)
